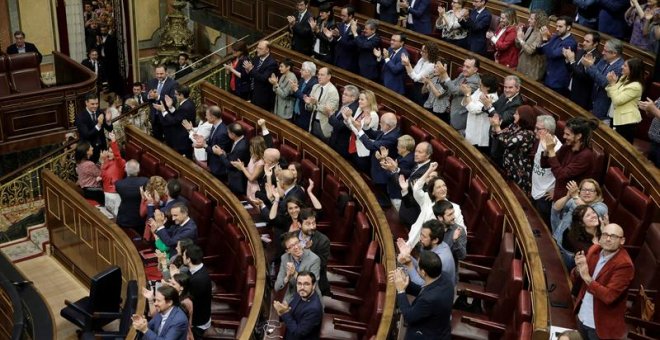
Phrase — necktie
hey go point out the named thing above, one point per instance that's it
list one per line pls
(96, 67)
(93, 115)
(300, 17)
(296, 107)
(256, 68)
(211, 134)
(315, 113)
(160, 87)
(352, 147)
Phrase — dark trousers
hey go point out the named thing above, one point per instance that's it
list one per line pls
(587, 333)
(654, 154)
(95, 194)
(197, 332)
(627, 131)
(544, 206)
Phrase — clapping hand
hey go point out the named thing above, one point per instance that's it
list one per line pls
(291, 19)
(248, 66)
(294, 85)
(568, 54)
(400, 279)
(281, 307)
(217, 150)
(199, 141)
(572, 189)
(112, 136)
(612, 78)
(545, 33)
(403, 183)
(238, 165)
(405, 60)
(272, 79)
(466, 89)
(168, 101)
(486, 100)
(312, 23)
(382, 153)
(588, 60)
(187, 124)
(441, 11)
(377, 52)
(386, 53)
(100, 119)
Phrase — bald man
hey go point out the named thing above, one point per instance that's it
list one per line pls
(260, 69)
(603, 276)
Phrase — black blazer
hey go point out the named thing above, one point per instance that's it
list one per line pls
(29, 47)
(506, 108)
(88, 132)
(242, 83)
(129, 208)
(221, 139)
(340, 132)
(236, 180)
(388, 11)
(428, 317)
(176, 136)
(410, 209)
(321, 247)
(582, 84)
(100, 77)
(180, 72)
(302, 39)
(200, 289)
(263, 95)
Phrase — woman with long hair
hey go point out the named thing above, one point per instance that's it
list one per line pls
(641, 17)
(518, 140)
(367, 115)
(625, 93)
(89, 174)
(588, 192)
(452, 31)
(255, 167)
(423, 68)
(583, 232)
(530, 62)
(504, 40)
(239, 83)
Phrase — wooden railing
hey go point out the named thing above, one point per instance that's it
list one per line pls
(329, 162)
(215, 190)
(84, 240)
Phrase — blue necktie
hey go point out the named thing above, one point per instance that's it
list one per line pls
(296, 107)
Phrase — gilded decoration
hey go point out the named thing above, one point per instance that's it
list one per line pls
(175, 36)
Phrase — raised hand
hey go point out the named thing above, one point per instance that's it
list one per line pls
(168, 101)
(291, 19)
(217, 150)
(247, 65)
(312, 23)
(386, 53)
(403, 183)
(405, 60)
(199, 141)
(310, 187)
(377, 53)
(612, 78)
(112, 136)
(466, 89)
(100, 119)
(187, 125)
(294, 85)
(237, 164)
(572, 189)
(588, 60)
(272, 79)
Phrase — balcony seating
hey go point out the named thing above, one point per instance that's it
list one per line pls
(247, 128)
(132, 151)
(167, 172)
(24, 72)
(485, 237)
(440, 153)
(149, 165)
(312, 172)
(615, 182)
(633, 213)
(200, 210)
(344, 297)
(187, 188)
(647, 262)
(351, 251)
(289, 153)
(491, 273)
(343, 276)
(457, 178)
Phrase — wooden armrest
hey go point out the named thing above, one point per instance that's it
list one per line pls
(210, 258)
(479, 259)
(348, 273)
(77, 308)
(219, 276)
(648, 325)
(336, 246)
(481, 270)
(350, 326)
(343, 296)
(490, 326)
(227, 298)
(634, 292)
(479, 294)
(225, 323)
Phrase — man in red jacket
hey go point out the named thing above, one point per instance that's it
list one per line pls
(603, 276)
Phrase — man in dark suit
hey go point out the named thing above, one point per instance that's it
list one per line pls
(129, 192)
(138, 94)
(108, 50)
(419, 15)
(366, 42)
(405, 161)
(602, 278)
(200, 288)
(91, 125)
(302, 88)
(240, 151)
(581, 84)
(171, 322)
(219, 138)
(557, 74)
(387, 11)
(302, 37)
(260, 69)
(477, 21)
(184, 226)
(505, 107)
(183, 67)
(612, 61)
(304, 314)
(340, 132)
(318, 243)
(94, 64)
(157, 89)
(176, 136)
(344, 40)
(22, 46)
(409, 210)
(429, 315)
(393, 71)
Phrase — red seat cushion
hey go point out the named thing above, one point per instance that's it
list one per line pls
(133, 151)
(149, 165)
(290, 153)
(633, 214)
(615, 182)
(457, 177)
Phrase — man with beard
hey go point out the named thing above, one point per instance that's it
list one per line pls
(296, 260)
(318, 243)
(303, 315)
(431, 238)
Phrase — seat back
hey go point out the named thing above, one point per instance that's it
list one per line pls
(312, 172)
(133, 151)
(457, 177)
(5, 85)
(247, 128)
(440, 153)
(475, 198)
(615, 182)
(365, 283)
(167, 172)
(24, 72)
(201, 210)
(503, 309)
(149, 165)
(486, 234)
(501, 266)
(366, 309)
(598, 164)
(359, 240)
(647, 262)
(289, 153)
(633, 214)
(418, 134)
(187, 187)
(105, 291)
(130, 307)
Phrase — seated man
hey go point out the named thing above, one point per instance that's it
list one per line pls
(295, 260)
(304, 314)
(171, 322)
(184, 227)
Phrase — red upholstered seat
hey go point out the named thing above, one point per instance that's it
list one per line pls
(346, 276)
(228, 116)
(312, 172)
(559, 131)
(290, 153)
(5, 85)
(149, 165)
(201, 210)
(347, 300)
(475, 198)
(247, 128)
(187, 187)
(132, 151)
(615, 182)
(491, 274)
(598, 169)
(352, 251)
(440, 153)
(167, 172)
(418, 134)
(339, 229)
(333, 189)
(485, 237)
(457, 177)
(647, 262)
(24, 72)
(633, 214)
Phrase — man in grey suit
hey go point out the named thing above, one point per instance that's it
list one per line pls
(296, 259)
(469, 76)
(322, 102)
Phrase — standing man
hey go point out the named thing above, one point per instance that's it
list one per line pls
(94, 64)
(108, 50)
(302, 36)
(428, 317)
(303, 87)
(22, 46)
(505, 107)
(477, 23)
(218, 138)
(419, 15)
(322, 101)
(612, 61)
(431, 238)
(138, 94)
(91, 125)
(176, 135)
(388, 11)
(366, 42)
(239, 151)
(394, 72)
(157, 89)
(345, 49)
(200, 288)
(318, 243)
(581, 85)
(470, 77)
(304, 314)
(260, 69)
(557, 74)
(296, 260)
(603, 276)
(340, 131)
(129, 192)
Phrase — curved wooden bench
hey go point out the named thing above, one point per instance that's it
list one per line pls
(85, 241)
(310, 148)
(213, 189)
(417, 117)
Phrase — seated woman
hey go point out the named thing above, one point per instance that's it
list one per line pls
(477, 127)
(255, 168)
(583, 232)
(89, 174)
(517, 140)
(588, 192)
(180, 282)
(169, 266)
(435, 191)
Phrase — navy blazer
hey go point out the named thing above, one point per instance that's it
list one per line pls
(302, 39)
(169, 86)
(302, 117)
(129, 208)
(428, 317)
(345, 49)
(394, 73)
(29, 47)
(221, 139)
(175, 327)
(170, 236)
(581, 84)
(236, 180)
(421, 14)
(263, 95)
(598, 72)
(176, 136)
(406, 165)
(388, 12)
(340, 132)
(373, 141)
(367, 62)
(303, 321)
(477, 25)
(611, 18)
(557, 74)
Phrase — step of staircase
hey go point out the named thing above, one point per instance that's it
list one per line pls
(34, 245)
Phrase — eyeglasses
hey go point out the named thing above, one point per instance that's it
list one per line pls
(612, 236)
(588, 190)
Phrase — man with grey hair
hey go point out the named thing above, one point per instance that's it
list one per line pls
(468, 77)
(129, 192)
(302, 88)
(505, 106)
(340, 131)
(611, 61)
(366, 42)
(543, 180)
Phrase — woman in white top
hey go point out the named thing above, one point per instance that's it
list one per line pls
(203, 129)
(424, 68)
(436, 191)
(478, 126)
(447, 21)
(367, 116)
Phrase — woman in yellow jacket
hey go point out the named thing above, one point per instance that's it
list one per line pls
(625, 94)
